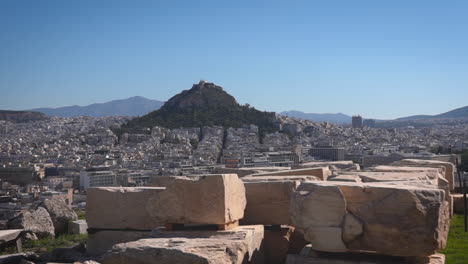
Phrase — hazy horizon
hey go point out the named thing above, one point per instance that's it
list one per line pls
(378, 59)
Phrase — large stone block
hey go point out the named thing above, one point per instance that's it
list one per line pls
(388, 219)
(458, 203)
(363, 258)
(101, 241)
(397, 176)
(448, 166)
(239, 245)
(60, 214)
(339, 165)
(207, 199)
(281, 241)
(121, 207)
(242, 172)
(36, 221)
(321, 172)
(78, 227)
(269, 198)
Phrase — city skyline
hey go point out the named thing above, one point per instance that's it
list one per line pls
(380, 60)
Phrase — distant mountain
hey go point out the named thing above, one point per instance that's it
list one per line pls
(21, 116)
(461, 112)
(205, 104)
(133, 106)
(332, 118)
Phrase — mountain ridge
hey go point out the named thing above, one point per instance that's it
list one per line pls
(132, 106)
(205, 104)
(21, 116)
(461, 112)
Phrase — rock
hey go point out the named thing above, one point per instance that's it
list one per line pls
(18, 258)
(324, 258)
(207, 199)
(341, 217)
(279, 241)
(30, 236)
(78, 227)
(23, 261)
(121, 207)
(268, 200)
(345, 165)
(101, 241)
(458, 203)
(318, 210)
(402, 176)
(74, 254)
(239, 245)
(60, 214)
(37, 222)
(321, 172)
(345, 178)
(242, 172)
(448, 166)
(432, 259)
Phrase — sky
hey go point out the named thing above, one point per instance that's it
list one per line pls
(380, 59)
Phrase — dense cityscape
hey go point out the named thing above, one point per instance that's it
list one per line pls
(233, 132)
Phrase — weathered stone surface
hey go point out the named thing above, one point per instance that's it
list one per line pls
(78, 227)
(449, 167)
(102, 241)
(308, 255)
(269, 198)
(121, 207)
(343, 259)
(321, 172)
(10, 234)
(76, 254)
(402, 176)
(207, 199)
(331, 215)
(300, 178)
(432, 259)
(242, 172)
(278, 242)
(345, 165)
(319, 210)
(458, 203)
(345, 178)
(37, 222)
(60, 214)
(387, 168)
(17, 258)
(238, 245)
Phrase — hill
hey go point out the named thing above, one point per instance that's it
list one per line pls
(461, 112)
(338, 118)
(133, 106)
(21, 116)
(205, 104)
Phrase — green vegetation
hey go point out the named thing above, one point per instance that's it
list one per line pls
(48, 244)
(204, 105)
(81, 214)
(194, 143)
(457, 244)
(199, 117)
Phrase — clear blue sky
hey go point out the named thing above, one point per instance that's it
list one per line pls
(380, 59)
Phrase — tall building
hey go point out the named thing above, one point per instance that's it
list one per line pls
(327, 153)
(357, 121)
(98, 177)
